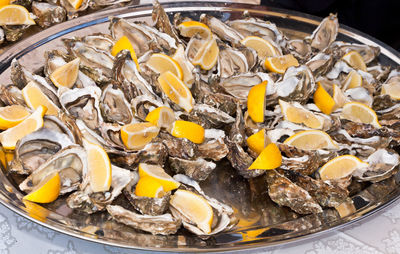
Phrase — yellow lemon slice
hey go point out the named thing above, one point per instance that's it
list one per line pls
(361, 113)
(269, 158)
(263, 47)
(355, 60)
(75, 3)
(10, 137)
(338, 97)
(186, 66)
(12, 115)
(207, 55)
(190, 28)
(34, 97)
(340, 167)
(99, 167)
(300, 115)
(161, 63)
(256, 102)
(323, 100)
(124, 43)
(258, 141)
(47, 190)
(176, 90)
(162, 117)
(189, 130)
(311, 140)
(392, 89)
(4, 3)
(66, 75)
(136, 136)
(156, 172)
(194, 207)
(279, 64)
(149, 187)
(352, 80)
(13, 14)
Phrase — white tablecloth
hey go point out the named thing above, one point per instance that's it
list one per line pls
(379, 233)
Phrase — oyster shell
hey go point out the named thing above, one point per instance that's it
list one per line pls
(198, 169)
(285, 193)
(325, 194)
(161, 224)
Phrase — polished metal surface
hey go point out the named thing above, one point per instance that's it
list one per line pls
(263, 222)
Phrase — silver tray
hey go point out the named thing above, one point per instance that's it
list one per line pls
(275, 225)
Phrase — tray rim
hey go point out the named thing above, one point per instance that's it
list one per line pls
(30, 43)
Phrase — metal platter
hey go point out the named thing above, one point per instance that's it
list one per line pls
(264, 223)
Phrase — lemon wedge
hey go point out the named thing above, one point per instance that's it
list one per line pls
(176, 90)
(340, 167)
(149, 187)
(361, 113)
(323, 100)
(34, 97)
(161, 63)
(47, 190)
(355, 60)
(157, 173)
(311, 140)
(256, 102)
(12, 115)
(258, 141)
(352, 80)
(195, 208)
(13, 14)
(269, 158)
(190, 28)
(279, 64)
(66, 75)
(207, 55)
(124, 43)
(10, 137)
(392, 89)
(136, 136)
(99, 167)
(300, 115)
(76, 3)
(263, 47)
(191, 131)
(162, 117)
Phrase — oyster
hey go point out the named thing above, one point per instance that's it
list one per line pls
(114, 106)
(146, 205)
(70, 163)
(382, 165)
(48, 14)
(161, 224)
(83, 103)
(325, 33)
(36, 148)
(223, 218)
(222, 30)
(88, 201)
